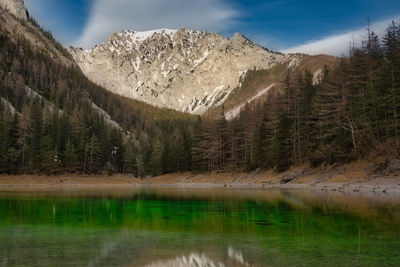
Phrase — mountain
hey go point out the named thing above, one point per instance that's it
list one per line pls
(185, 70)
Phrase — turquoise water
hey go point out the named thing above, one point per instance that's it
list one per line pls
(171, 227)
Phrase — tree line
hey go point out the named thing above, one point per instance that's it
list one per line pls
(346, 113)
(48, 123)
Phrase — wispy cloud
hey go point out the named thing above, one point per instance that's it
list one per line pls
(108, 17)
(338, 45)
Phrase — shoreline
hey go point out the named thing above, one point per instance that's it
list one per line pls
(309, 180)
(358, 187)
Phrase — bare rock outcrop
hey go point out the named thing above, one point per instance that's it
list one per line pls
(15, 7)
(185, 70)
(287, 178)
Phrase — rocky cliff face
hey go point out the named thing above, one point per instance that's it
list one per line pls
(189, 71)
(15, 7)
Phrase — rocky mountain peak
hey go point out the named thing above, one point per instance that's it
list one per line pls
(239, 38)
(185, 70)
(15, 7)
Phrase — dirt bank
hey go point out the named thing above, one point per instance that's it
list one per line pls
(356, 178)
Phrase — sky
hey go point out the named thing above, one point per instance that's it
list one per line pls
(307, 26)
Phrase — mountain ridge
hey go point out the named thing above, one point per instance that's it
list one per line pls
(186, 70)
(15, 7)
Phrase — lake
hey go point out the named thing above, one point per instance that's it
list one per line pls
(198, 227)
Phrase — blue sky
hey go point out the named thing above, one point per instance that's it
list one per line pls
(277, 24)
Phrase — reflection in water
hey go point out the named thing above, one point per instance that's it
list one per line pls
(167, 227)
(193, 260)
(235, 258)
(236, 255)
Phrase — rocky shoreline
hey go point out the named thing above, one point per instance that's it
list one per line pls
(358, 178)
(302, 180)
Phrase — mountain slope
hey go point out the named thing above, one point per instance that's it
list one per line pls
(17, 26)
(189, 71)
(53, 119)
(258, 85)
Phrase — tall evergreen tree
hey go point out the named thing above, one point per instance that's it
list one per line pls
(281, 146)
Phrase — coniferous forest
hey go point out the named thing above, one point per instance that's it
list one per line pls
(50, 120)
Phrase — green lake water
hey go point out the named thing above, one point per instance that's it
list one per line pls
(203, 227)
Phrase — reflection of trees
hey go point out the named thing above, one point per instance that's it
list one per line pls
(287, 228)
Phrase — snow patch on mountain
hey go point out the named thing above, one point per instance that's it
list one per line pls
(139, 37)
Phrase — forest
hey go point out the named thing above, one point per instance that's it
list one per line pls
(50, 124)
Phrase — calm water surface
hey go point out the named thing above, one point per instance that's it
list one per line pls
(178, 227)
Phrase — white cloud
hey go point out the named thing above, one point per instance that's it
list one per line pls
(338, 45)
(111, 16)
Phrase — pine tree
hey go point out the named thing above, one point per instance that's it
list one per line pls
(49, 156)
(69, 155)
(391, 42)
(265, 133)
(3, 142)
(197, 150)
(307, 132)
(281, 146)
(130, 158)
(94, 154)
(158, 158)
(36, 118)
(12, 156)
(24, 134)
(222, 141)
